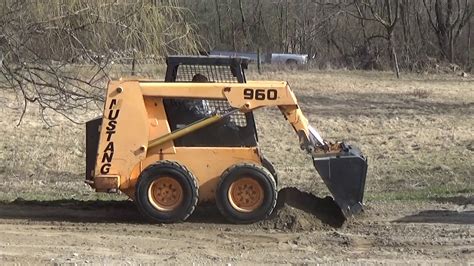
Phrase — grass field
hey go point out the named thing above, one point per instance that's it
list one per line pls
(417, 131)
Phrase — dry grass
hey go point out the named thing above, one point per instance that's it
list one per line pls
(418, 147)
(421, 93)
(414, 144)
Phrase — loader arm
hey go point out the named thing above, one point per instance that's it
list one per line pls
(279, 94)
(248, 97)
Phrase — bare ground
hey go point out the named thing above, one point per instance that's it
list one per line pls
(112, 232)
(417, 133)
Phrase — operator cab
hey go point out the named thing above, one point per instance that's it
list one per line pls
(238, 130)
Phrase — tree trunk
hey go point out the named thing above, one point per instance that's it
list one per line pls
(392, 21)
(232, 24)
(421, 32)
(219, 27)
(469, 59)
(286, 27)
(242, 20)
(396, 68)
(281, 44)
(405, 22)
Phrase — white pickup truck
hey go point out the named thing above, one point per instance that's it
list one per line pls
(289, 59)
(268, 58)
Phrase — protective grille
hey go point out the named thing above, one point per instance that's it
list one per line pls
(213, 73)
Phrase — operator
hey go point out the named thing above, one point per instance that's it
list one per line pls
(183, 112)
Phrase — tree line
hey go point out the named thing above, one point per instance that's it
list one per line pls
(362, 34)
(58, 54)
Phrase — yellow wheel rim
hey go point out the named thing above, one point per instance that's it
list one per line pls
(246, 194)
(165, 194)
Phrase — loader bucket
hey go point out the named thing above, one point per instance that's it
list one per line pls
(344, 174)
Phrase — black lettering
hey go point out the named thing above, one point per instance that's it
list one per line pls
(105, 168)
(112, 103)
(259, 94)
(112, 124)
(248, 94)
(110, 147)
(272, 94)
(109, 135)
(113, 116)
(107, 157)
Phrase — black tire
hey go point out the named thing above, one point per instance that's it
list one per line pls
(174, 171)
(291, 62)
(269, 166)
(257, 173)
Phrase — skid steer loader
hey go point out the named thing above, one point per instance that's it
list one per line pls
(192, 139)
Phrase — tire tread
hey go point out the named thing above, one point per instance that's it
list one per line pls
(249, 165)
(179, 166)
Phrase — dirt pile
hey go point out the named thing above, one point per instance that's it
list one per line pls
(297, 210)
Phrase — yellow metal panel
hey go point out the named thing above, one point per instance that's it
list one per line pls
(267, 94)
(158, 124)
(205, 90)
(206, 163)
(124, 131)
(183, 90)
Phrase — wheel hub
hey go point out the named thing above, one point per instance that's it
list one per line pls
(165, 193)
(245, 194)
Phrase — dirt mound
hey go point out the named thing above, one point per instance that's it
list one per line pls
(297, 210)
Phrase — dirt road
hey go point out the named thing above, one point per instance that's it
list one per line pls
(113, 232)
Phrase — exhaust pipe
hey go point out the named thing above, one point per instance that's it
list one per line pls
(344, 174)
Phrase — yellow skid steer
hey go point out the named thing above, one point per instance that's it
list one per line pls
(192, 138)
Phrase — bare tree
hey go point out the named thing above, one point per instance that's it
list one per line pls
(386, 14)
(58, 55)
(448, 18)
